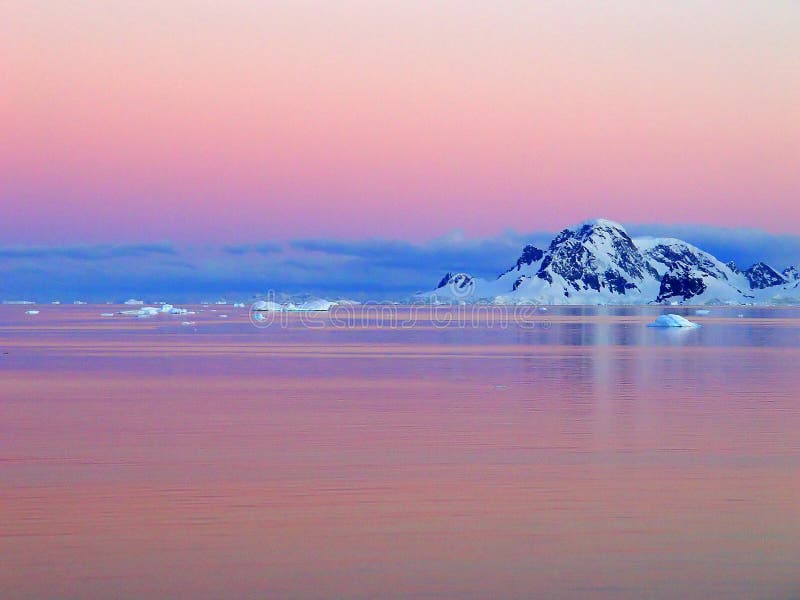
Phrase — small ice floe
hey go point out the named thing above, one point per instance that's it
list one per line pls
(31, 312)
(702, 311)
(151, 311)
(223, 316)
(542, 309)
(315, 304)
(106, 314)
(258, 317)
(238, 305)
(266, 305)
(79, 302)
(55, 302)
(672, 321)
(740, 316)
(168, 309)
(188, 323)
(134, 302)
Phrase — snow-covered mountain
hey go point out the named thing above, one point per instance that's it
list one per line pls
(597, 262)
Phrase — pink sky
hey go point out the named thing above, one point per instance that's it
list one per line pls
(195, 121)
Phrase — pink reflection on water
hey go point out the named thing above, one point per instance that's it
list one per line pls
(222, 463)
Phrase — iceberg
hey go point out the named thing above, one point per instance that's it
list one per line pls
(31, 312)
(312, 305)
(151, 311)
(134, 302)
(702, 311)
(671, 320)
(169, 309)
(106, 314)
(266, 305)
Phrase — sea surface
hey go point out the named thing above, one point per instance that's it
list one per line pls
(399, 452)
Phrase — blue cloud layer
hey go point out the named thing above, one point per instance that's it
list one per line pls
(87, 252)
(367, 268)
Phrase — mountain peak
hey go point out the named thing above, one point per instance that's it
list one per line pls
(600, 223)
(761, 276)
(597, 261)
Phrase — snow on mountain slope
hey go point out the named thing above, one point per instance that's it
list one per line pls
(597, 262)
(688, 273)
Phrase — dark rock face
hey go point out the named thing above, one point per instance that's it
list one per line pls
(681, 258)
(618, 283)
(577, 257)
(732, 266)
(761, 276)
(680, 286)
(518, 282)
(791, 274)
(530, 255)
(444, 280)
(459, 281)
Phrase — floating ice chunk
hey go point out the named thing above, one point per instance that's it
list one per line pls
(188, 323)
(312, 305)
(238, 305)
(31, 312)
(168, 309)
(147, 311)
(134, 302)
(672, 321)
(79, 302)
(702, 311)
(266, 305)
(223, 316)
(106, 314)
(258, 317)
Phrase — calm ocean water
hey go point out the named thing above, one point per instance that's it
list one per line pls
(396, 453)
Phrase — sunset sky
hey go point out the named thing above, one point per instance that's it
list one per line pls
(242, 122)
